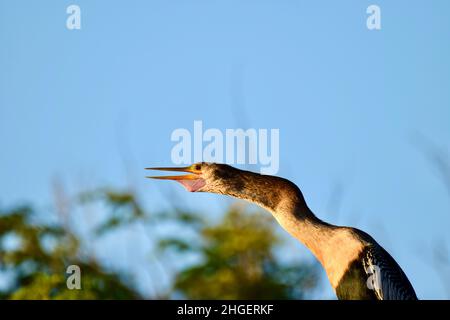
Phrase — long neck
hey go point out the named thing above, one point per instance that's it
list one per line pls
(287, 204)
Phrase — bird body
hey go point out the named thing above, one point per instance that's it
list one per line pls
(356, 265)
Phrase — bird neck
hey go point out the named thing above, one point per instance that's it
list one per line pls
(303, 225)
(287, 204)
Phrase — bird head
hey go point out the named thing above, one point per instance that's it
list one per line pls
(203, 177)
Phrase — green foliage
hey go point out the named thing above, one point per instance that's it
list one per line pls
(39, 270)
(238, 263)
(96, 285)
(237, 254)
(124, 208)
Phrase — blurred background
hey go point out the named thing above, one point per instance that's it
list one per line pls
(364, 132)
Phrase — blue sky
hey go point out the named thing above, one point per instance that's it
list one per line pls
(95, 106)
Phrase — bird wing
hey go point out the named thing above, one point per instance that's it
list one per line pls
(385, 276)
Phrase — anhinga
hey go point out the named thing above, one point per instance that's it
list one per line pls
(356, 265)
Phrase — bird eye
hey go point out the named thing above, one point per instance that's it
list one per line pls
(197, 167)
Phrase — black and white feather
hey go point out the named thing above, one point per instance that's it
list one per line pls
(385, 276)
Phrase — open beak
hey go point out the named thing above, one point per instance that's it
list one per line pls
(192, 181)
(181, 169)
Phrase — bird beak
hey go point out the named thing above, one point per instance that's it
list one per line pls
(192, 182)
(181, 169)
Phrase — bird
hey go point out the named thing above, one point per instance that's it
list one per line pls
(357, 267)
